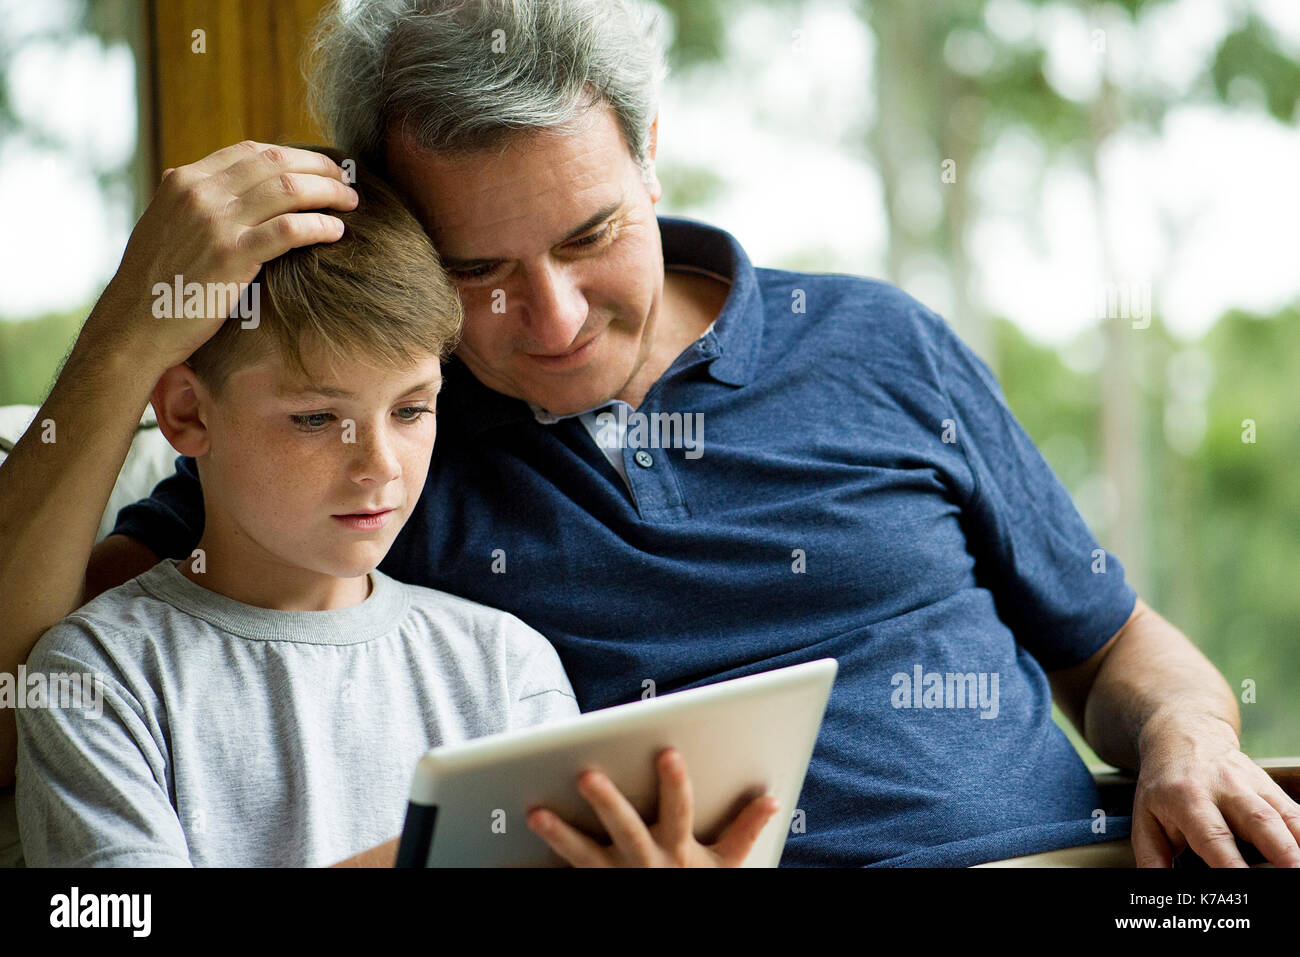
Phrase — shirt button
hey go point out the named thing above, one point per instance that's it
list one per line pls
(644, 459)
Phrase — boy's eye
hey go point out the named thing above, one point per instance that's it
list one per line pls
(316, 421)
(312, 422)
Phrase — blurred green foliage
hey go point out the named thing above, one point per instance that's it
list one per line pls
(1224, 519)
(32, 352)
(1251, 52)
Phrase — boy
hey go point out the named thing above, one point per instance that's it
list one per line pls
(264, 701)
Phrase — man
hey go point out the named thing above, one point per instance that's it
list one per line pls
(861, 490)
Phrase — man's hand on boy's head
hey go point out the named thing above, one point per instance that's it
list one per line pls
(215, 221)
(669, 842)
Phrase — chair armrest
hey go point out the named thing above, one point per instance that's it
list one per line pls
(1118, 787)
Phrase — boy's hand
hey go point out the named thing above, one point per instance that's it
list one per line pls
(669, 842)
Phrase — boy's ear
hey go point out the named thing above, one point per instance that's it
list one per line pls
(176, 403)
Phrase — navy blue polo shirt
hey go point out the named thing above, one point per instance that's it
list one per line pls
(861, 491)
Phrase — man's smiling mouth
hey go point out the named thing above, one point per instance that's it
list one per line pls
(574, 356)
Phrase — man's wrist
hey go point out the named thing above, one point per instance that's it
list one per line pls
(104, 351)
(1171, 724)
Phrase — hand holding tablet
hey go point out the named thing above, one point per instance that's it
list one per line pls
(669, 842)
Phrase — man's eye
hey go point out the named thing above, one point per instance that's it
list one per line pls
(312, 422)
(415, 410)
(593, 238)
(478, 272)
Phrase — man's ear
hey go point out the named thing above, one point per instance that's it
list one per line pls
(651, 179)
(181, 403)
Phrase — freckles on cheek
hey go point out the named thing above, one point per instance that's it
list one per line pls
(271, 460)
(266, 468)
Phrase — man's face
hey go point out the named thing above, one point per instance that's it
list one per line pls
(554, 248)
(283, 464)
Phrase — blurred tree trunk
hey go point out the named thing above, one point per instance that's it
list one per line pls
(890, 137)
(915, 129)
(957, 144)
(1121, 407)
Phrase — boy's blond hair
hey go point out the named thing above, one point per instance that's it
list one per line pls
(378, 292)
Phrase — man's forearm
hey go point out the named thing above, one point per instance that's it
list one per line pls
(54, 488)
(1154, 681)
(383, 855)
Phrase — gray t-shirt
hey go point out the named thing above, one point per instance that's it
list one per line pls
(231, 735)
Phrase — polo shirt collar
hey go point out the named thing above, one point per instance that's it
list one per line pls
(735, 338)
(738, 331)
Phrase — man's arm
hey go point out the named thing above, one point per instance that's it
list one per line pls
(384, 855)
(52, 495)
(1150, 701)
(216, 220)
(115, 560)
(1070, 686)
(1148, 667)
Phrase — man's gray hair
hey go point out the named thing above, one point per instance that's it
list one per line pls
(460, 76)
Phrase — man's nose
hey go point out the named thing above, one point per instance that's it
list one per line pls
(555, 310)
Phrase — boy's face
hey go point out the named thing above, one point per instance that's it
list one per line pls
(284, 462)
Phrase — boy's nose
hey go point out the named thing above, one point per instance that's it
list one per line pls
(375, 460)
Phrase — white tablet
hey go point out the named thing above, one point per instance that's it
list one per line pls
(740, 739)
